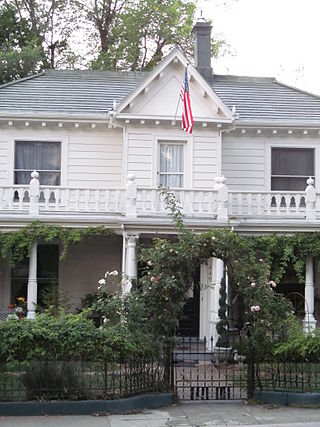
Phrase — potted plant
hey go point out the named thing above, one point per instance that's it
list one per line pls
(223, 351)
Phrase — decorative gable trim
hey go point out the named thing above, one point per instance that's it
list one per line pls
(121, 112)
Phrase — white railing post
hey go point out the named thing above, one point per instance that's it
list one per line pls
(222, 198)
(309, 320)
(32, 283)
(310, 200)
(131, 196)
(34, 194)
(131, 263)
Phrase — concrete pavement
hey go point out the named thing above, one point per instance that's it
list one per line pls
(196, 414)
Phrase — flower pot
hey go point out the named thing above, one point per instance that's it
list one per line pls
(223, 354)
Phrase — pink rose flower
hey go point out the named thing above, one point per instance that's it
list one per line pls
(272, 283)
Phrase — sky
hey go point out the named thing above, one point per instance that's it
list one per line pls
(277, 38)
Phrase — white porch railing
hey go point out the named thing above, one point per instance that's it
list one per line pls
(133, 201)
(273, 203)
(193, 202)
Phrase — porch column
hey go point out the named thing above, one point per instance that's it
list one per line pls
(205, 282)
(32, 283)
(131, 267)
(309, 320)
(217, 275)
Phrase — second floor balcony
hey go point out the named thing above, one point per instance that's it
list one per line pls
(137, 203)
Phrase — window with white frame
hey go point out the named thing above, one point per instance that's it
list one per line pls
(171, 164)
(291, 167)
(42, 156)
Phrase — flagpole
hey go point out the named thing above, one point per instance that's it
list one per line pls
(175, 116)
(179, 99)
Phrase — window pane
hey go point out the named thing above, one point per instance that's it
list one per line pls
(48, 155)
(293, 161)
(40, 156)
(171, 158)
(25, 155)
(22, 177)
(172, 181)
(49, 178)
(289, 183)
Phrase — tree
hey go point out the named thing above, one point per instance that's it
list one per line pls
(134, 35)
(20, 54)
(51, 24)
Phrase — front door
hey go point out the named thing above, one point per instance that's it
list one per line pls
(189, 320)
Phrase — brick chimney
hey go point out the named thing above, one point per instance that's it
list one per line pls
(202, 48)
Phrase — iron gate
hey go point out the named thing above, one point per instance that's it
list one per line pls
(205, 372)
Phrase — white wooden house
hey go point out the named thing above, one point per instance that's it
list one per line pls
(102, 142)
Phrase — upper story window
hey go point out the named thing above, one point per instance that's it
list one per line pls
(290, 168)
(171, 165)
(44, 157)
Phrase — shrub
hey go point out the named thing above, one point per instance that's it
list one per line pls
(299, 346)
(71, 337)
(222, 325)
(52, 380)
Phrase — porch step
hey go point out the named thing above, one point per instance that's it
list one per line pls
(189, 351)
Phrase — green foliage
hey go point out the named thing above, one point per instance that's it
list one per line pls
(170, 267)
(17, 245)
(222, 325)
(298, 346)
(51, 24)
(20, 55)
(54, 300)
(71, 337)
(125, 320)
(60, 379)
(15, 64)
(136, 35)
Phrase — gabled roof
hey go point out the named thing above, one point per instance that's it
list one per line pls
(257, 100)
(263, 99)
(176, 55)
(73, 91)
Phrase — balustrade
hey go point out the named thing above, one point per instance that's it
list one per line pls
(217, 204)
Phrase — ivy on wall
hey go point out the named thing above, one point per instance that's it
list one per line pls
(16, 245)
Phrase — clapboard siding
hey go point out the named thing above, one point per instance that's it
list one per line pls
(139, 156)
(204, 160)
(243, 162)
(95, 159)
(89, 157)
(3, 161)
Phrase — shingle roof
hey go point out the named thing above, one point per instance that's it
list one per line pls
(265, 99)
(93, 92)
(70, 91)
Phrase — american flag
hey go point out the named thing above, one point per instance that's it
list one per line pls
(187, 119)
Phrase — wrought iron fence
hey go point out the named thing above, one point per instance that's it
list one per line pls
(50, 380)
(206, 372)
(288, 375)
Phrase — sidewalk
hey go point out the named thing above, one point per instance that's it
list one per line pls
(194, 414)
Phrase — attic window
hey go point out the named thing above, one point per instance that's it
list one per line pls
(44, 157)
(290, 168)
